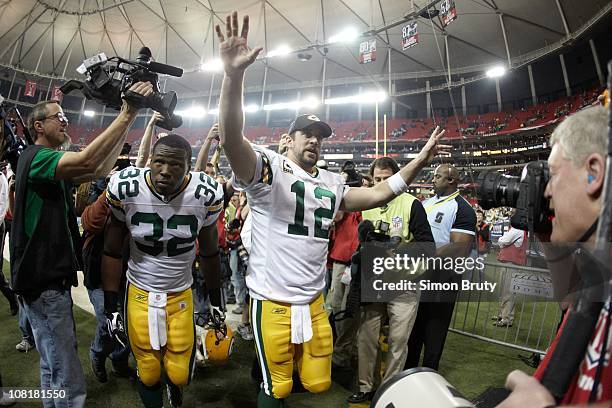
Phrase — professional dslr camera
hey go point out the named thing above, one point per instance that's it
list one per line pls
(109, 78)
(11, 145)
(525, 193)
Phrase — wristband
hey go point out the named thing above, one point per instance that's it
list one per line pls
(397, 184)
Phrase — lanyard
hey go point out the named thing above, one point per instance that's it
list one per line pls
(439, 203)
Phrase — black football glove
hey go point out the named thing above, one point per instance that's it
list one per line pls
(114, 321)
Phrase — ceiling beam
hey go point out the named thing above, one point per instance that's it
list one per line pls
(173, 29)
(522, 20)
(103, 19)
(377, 35)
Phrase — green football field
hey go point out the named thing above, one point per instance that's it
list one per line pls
(470, 365)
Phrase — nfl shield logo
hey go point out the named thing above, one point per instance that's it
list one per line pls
(396, 223)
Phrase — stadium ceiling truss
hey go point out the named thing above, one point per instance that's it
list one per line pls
(49, 38)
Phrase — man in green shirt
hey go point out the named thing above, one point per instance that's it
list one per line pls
(45, 238)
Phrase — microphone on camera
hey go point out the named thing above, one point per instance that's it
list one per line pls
(144, 57)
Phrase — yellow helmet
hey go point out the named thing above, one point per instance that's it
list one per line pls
(217, 352)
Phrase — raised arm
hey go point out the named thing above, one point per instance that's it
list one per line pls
(363, 198)
(145, 144)
(236, 57)
(93, 161)
(202, 159)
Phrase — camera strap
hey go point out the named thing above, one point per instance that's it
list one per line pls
(589, 232)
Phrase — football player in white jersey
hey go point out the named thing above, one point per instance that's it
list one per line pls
(164, 208)
(293, 204)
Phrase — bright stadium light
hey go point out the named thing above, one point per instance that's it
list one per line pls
(310, 103)
(346, 35)
(279, 51)
(213, 65)
(89, 113)
(251, 108)
(496, 72)
(194, 112)
(362, 98)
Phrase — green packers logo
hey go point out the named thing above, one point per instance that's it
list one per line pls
(287, 168)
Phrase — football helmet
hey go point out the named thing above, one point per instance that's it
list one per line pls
(215, 340)
(218, 351)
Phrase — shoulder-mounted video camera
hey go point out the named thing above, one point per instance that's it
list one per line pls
(11, 145)
(110, 78)
(525, 193)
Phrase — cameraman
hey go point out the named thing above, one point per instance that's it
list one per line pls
(407, 220)
(577, 171)
(45, 238)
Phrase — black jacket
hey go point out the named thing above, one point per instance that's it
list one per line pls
(46, 260)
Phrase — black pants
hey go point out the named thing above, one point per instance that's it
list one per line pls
(429, 331)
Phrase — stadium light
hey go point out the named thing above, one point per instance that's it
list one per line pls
(251, 108)
(362, 98)
(213, 65)
(89, 113)
(346, 35)
(281, 50)
(310, 103)
(194, 112)
(496, 72)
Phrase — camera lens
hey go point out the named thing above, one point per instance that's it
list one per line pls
(497, 190)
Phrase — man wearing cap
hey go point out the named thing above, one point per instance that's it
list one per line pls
(293, 204)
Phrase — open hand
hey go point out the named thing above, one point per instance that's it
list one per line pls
(433, 147)
(233, 50)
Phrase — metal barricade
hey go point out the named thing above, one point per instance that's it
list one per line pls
(536, 313)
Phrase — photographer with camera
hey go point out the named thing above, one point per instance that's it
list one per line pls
(577, 165)
(45, 239)
(407, 222)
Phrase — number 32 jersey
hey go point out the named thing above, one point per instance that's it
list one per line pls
(163, 229)
(292, 214)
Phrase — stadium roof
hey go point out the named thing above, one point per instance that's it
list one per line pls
(52, 37)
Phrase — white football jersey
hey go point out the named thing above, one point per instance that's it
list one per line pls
(292, 213)
(163, 229)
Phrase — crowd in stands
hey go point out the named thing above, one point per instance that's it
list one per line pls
(399, 129)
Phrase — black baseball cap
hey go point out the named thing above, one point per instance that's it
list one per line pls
(305, 121)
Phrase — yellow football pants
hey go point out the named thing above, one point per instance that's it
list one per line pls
(178, 353)
(276, 354)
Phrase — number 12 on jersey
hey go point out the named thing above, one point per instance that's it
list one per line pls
(298, 227)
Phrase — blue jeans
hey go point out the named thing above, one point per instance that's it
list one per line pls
(103, 345)
(24, 325)
(54, 333)
(238, 280)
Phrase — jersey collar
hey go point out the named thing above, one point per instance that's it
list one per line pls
(184, 185)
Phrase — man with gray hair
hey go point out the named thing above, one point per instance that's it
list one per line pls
(577, 164)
